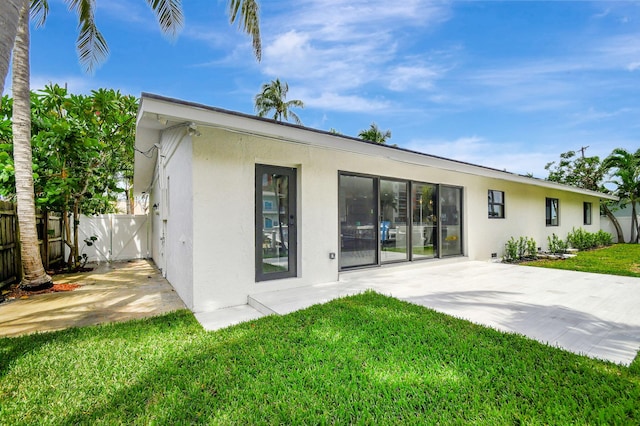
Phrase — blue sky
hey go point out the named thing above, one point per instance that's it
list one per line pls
(508, 85)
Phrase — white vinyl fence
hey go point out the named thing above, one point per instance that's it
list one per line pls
(118, 237)
(625, 224)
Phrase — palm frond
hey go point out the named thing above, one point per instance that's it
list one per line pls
(169, 15)
(91, 46)
(247, 14)
(39, 12)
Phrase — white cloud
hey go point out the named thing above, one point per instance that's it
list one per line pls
(347, 103)
(477, 150)
(407, 77)
(337, 46)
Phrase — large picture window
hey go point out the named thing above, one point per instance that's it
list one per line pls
(552, 211)
(496, 204)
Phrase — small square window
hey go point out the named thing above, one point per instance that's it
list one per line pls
(552, 212)
(586, 209)
(496, 204)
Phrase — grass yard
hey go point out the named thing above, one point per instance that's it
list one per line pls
(366, 359)
(618, 259)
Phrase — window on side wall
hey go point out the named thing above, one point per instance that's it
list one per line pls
(551, 211)
(496, 204)
(586, 209)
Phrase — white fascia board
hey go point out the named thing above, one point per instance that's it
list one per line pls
(166, 112)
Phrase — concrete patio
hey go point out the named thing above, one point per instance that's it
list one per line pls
(591, 314)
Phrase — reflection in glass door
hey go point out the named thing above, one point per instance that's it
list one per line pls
(275, 222)
(451, 216)
(394, 241)
(358, 204)
(424, 220)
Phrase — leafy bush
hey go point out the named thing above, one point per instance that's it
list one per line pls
(581, 239)
(603, 238)
(556, 245)
(584, 240)
(522, 248)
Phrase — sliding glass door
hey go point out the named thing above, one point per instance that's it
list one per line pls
(424, 223)
(386, 220)
(451, 220)
(394, 240)
(358, 204)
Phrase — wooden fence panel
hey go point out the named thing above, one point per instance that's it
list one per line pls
(50, 238)
(9, 249)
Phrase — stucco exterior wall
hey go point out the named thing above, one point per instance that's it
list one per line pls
(173, 219)
(524, 215)
(223, 211)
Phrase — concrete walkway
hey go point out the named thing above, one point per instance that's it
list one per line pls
(591, 314)
(118, 291)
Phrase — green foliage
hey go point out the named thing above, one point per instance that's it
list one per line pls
(624, 169)
(584, 240)
(603, 238)
(272, 98)
(374, 134)
(579, 171)
(365, 359)
(520, 249)
(581, 239)
(82, 148)
(557, 245)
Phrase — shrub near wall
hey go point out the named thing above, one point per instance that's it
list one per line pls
(584, 240)
(524, 248)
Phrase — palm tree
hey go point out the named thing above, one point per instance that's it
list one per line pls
(625, 169)
(92, 49)
(273, 98)
(374, 134)
(9, 15)
(34, 275)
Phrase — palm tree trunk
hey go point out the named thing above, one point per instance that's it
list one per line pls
(614, 221)
(34, 275)
(9, 14)
(635, 235)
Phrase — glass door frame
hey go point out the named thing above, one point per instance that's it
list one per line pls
(376, 228)
(291, 222)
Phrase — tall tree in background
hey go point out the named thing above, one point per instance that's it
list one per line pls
(82, 148)
(273, 98)
(92, 49)
(587, 173)
(624, 168)
(374, 134)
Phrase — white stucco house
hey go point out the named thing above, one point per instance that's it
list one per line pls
(243, 205)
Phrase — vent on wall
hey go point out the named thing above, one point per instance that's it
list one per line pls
(494, 255)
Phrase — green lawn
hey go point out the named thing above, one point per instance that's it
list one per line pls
(366, 359)
(618, 259)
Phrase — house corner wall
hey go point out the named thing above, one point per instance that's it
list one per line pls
(171, 211)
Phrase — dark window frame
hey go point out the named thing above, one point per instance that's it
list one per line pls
(587, 213)
(549, 208)
(492, 203)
